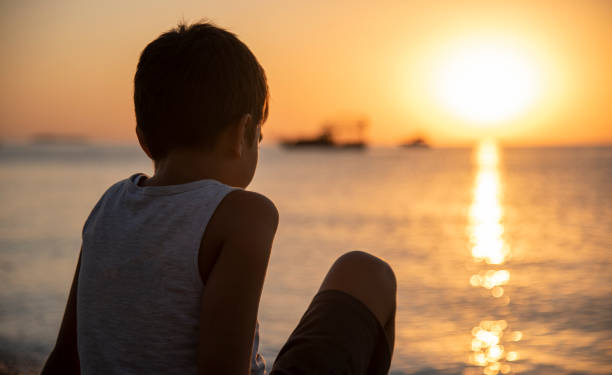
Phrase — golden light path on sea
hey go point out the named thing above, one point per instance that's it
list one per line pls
(486, 211)
(490, 338)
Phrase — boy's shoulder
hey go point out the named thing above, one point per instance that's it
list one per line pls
(243, 208)
(241, 215)
(241, 199)
(106, 195)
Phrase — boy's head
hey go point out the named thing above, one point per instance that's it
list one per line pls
(192, 83)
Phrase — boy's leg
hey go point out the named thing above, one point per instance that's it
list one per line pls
(349, 326)
(369, 279)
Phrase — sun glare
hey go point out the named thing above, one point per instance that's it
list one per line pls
(485, 83)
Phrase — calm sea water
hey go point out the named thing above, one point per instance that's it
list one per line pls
(502, 255)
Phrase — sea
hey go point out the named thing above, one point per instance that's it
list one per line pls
(502, 255)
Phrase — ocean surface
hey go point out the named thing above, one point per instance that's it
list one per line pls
(502, 255)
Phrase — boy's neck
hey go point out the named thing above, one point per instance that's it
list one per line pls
(185, 166)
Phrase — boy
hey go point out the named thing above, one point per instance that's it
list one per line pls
(172, 266)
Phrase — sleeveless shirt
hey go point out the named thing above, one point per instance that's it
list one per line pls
(139, 289)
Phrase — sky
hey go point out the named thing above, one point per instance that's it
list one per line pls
(523, 72)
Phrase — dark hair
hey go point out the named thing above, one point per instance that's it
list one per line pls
(191, 83)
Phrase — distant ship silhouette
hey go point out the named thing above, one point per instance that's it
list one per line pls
(417, 142)
(327, 138)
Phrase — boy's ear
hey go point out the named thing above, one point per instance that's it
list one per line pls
(143, 145)
(240, 141)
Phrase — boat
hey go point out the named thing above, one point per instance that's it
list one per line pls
(328, 138)
(325, 139)
(417, 142)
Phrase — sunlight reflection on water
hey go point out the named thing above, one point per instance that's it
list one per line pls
(486, 212)
(490, 338)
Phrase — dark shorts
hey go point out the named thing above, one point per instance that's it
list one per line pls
(337, 335)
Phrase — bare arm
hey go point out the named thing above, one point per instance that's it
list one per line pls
(64, 359)
(230, 300)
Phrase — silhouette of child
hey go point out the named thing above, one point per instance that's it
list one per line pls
(172, 266)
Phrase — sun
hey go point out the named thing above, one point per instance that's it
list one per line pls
(485, 83)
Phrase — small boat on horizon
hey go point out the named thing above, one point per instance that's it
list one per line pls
(417, 142)
(327, 139)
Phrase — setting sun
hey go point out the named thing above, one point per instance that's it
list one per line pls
(485, 83)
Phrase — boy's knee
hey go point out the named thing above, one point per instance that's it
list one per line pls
(368, 278)
(369, 268)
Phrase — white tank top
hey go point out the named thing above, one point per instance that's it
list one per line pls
(139, 290)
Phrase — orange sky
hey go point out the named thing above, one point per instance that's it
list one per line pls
(67, 67)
